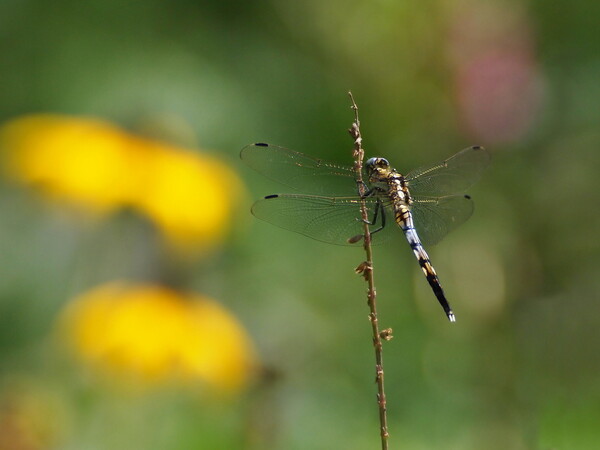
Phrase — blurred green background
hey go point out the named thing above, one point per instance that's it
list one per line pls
(519, 369)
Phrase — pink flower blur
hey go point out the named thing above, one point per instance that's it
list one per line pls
(498, 85)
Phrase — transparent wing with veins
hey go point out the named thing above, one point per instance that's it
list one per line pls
(334, 216)
(435, 217)
(452, 176)
(328, 219)
(299, 171)
(436, 209)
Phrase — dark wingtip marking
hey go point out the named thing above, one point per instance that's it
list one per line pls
(468, 197)
(271, 196)
(477, 147)
(261, 144)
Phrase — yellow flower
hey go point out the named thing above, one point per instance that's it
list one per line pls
(79, 161)
(94, 164)
(153, 333)
(189, 197)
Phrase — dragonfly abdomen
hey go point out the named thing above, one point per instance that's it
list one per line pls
(425, 263)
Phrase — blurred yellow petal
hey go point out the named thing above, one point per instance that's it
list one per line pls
(77, 160)
(157, 334)
(190, 197)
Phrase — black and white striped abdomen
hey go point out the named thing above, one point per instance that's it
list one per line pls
(404, 220)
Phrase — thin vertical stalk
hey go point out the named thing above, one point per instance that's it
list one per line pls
(366, 269)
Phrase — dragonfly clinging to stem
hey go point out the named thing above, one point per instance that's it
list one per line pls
(426, 203)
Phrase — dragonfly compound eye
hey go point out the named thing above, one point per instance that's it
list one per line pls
(383, 163)
(377, 163)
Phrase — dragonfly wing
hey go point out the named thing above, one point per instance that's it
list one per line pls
(452, 176)
(436, 217)
(328, 219)
(300, 171)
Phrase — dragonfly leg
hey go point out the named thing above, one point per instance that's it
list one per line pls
(378, 207)
(369, 192)
(373, 221)
(365, 188)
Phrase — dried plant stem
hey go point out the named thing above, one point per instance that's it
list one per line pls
(366, 269)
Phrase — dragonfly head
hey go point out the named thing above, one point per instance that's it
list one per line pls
(377, 169)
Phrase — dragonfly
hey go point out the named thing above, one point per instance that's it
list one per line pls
(426, 203)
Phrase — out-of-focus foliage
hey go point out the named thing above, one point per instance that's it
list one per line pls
(134, 194)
